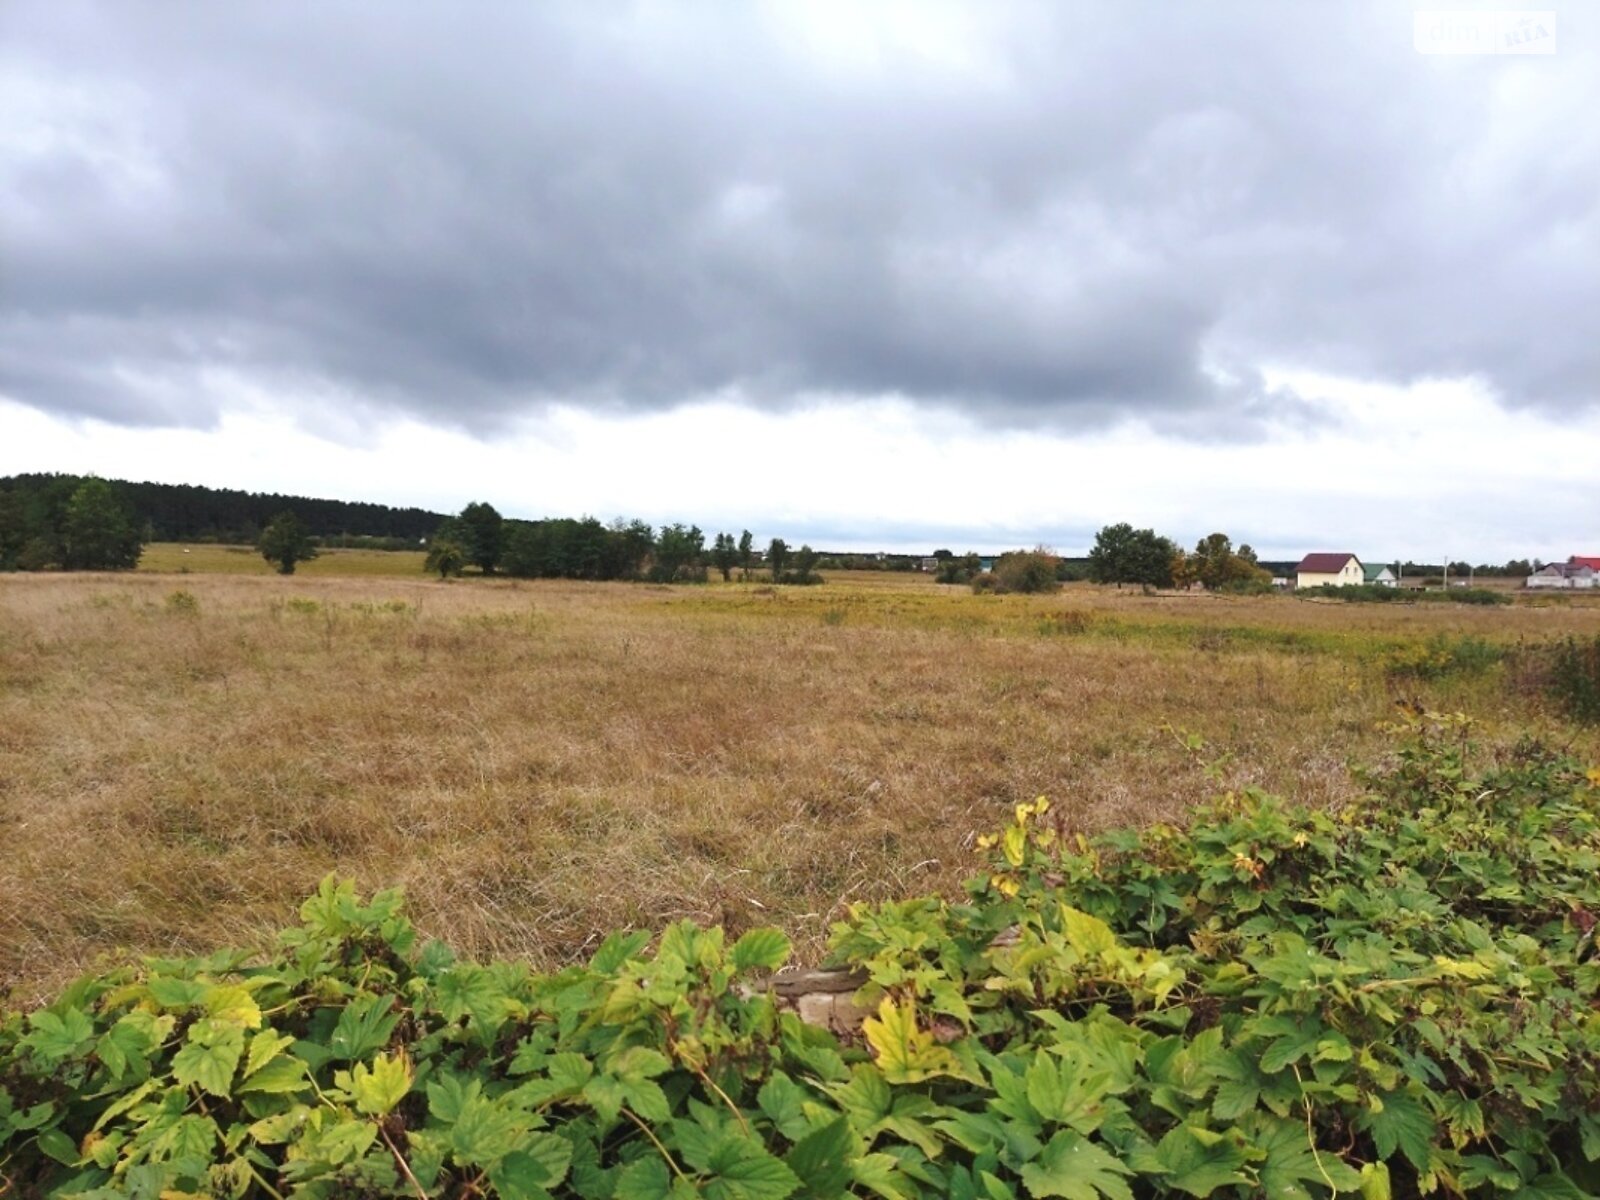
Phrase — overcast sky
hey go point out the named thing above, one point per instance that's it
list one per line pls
(881, 275)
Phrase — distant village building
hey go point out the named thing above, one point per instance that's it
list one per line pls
(1378, 575)
(930, 564)
(1327, 569)
(1575, 573)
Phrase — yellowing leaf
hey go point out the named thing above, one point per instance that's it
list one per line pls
(233, 1004)
(1089, 936)
(905, 1053)
(377, 1089)
(281, 1075)
(265, 1047)
(1014, 845)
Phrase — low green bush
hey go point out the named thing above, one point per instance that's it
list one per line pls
(1260, 585)
(1395, 998)
(1370, 593)
(1568, 670)
(1441, 656)
(1027, 571)
(182, 603)
(1472, 595)
(1358, 593)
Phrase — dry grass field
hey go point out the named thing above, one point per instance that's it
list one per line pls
(167, 558)
(183, 756)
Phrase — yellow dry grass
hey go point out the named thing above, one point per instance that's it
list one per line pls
(540, 762)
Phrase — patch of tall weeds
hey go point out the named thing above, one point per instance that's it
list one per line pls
(1568, 672)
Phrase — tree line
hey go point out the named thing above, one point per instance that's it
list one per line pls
(479, 537)
(71, 522)
(63, 522)
(1124, 555)
(36, 534)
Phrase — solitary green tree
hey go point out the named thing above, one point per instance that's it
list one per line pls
(1123, 554)
(482, 535)
(724, 554)
(285, 542)
(99, 533)
(777, 557)
(1211, 560)
(1215, 564)
(747, 551)
(446, 556)
(805, 564)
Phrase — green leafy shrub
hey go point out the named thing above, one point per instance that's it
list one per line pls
(1256, 585)
(1474, 595)
(1397, 998)
(1028, 571)
(1357, 593)
(1441, 656)
(182, 603)
(966, 569)
(1568, 670)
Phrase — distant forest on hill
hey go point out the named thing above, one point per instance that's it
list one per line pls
(182, 512)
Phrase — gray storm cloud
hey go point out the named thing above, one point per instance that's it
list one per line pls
(1035, 215)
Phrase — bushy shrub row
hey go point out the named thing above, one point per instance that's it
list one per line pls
(1370, 593)
(1394, 999)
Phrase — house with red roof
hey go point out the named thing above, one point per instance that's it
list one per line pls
(1329, 569)
(1584, 560)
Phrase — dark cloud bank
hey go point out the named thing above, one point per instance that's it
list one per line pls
(1038, 215)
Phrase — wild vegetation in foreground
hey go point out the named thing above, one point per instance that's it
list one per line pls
(1392, 998)
(182, 758)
